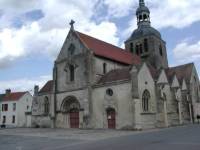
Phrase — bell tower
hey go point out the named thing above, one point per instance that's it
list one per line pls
(146, 41)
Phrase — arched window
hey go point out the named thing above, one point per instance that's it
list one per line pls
(46, 105)
(146, 48)
(145, 101)
(141, 50)
(137, 49)
(140, 18)
(71, 49)
(104, 68)
(72, 72)
(161, 51)
(145, 17)
(131, 47)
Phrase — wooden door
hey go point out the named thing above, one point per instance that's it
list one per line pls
(111, 118)
(74, 119)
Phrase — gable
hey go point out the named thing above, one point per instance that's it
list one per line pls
(72, 46)
(175, 82)
(144, 74)
(162, 78)
(184, 86)
(194, 74)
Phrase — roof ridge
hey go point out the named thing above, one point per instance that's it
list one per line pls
(109, 51)
(103, 41)
(181, 65)
(18, 92)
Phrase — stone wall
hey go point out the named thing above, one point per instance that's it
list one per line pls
(121, 101)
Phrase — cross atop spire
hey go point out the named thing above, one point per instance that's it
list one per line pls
(141, 2)
(72, 24)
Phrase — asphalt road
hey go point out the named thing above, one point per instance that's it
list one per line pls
(179, 138)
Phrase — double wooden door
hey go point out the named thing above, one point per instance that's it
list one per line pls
(74, 118)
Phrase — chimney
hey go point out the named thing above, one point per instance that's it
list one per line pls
(8, 91)
(36, 90)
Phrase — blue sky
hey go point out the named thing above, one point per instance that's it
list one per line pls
(32, 32)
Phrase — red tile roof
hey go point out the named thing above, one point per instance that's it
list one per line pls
(48, 87)
(14, 96)
(116, 75)
(109, 51)
(182, 72)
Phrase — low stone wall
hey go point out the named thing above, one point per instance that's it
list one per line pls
(41, 122)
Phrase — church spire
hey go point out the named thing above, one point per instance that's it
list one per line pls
(143, 14)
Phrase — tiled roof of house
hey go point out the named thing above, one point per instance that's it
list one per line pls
(48, 87)
(14, 96)
(116, 75)
(182, 72)
(109, 51)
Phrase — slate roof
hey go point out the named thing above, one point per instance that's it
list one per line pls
(109, 51)
(116, 75)
(181, 72)
(48, 87)
(14, 96)
(143, 31)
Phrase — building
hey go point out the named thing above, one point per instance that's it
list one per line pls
(99, 85)
(15, 109)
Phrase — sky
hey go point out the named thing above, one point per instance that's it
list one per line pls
(32, 32)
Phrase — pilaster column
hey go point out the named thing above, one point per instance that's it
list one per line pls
(179, 113)
(164, 98)
(165, 113)
(190, 110)
(137, 115)
(53, 98)
(178, 98)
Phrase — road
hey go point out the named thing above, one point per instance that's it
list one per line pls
(177, 138)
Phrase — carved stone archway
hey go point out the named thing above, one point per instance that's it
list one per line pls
(71, 107)
(70, 103)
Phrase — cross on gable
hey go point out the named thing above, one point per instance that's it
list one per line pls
(72, 24)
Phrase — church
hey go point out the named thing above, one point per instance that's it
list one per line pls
(97, 85)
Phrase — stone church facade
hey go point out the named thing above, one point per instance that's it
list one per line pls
(98, 85)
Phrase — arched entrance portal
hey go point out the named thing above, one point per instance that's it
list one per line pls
(71, 107)
(111, 117)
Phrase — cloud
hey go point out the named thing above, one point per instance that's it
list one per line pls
(187, 52)
(175, 13)
(17, 43)
(46, 35)
(120, 8)
(24, 84)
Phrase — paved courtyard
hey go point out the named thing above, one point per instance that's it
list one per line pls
(177, 138)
